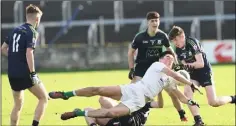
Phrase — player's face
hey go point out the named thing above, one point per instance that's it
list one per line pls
(153, 24)
(179, 40)
(38, 19)
(168, 60)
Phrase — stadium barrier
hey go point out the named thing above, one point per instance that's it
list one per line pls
(87, 58)
(220, 51)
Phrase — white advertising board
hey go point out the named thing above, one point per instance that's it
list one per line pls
(220, 51)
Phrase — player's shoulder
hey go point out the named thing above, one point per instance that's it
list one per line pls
(24, 29)
(161, 33)
(192, 41)
(140, 34)
(158, 64)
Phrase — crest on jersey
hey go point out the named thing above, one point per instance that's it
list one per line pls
(159, 42)
(152, 41)
(195, 47)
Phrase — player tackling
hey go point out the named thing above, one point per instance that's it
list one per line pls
(191, 54)
(133, 96)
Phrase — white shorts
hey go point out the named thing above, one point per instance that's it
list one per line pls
(132, 97)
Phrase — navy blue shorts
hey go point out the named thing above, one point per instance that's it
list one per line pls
(18, 84)
(203, 77)
(141, 68)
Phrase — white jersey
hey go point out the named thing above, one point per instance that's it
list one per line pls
(154, 80)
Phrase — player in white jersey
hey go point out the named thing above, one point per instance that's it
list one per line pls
(132, 96)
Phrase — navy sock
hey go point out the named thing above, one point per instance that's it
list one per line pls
(233, 99)
(35, 123)
(181, 113)
(197, 118)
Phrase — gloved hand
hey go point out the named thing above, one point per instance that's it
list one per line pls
(178, 67)
(34, 77)
(194, 87)
(192, 103)
(131, 74)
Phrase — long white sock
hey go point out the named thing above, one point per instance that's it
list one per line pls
(74, 93)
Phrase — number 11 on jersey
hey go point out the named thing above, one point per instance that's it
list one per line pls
(15, 45)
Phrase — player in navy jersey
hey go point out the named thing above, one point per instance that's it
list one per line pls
(19, 47)
(137, 118)
(192, 55)
(149, 44)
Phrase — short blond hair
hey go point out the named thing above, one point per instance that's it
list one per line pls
(33, 9)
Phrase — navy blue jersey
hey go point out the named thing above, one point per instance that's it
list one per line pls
(187, 53)
(18, 41)
(149, 48)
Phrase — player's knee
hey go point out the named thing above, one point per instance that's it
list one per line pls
(102, 100)
(213, 103)
(43, 99)
(19, 105)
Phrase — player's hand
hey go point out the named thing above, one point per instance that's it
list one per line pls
(177, 67)
(194, 87)
(131, 74)
(192, 103)
(34, 77)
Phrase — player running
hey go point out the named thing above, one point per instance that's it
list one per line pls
(19, 47)
(191, 54)
(133, 96)
(137, 118)
(148, 45)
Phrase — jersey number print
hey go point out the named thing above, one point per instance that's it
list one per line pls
(15, 46)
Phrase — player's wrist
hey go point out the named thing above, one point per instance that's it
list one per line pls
(33, 73)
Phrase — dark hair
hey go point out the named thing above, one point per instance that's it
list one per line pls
(165, 53)
(152, 15)
(32, 9)
(175, 31)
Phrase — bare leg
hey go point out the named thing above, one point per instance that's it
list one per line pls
(117, 111)
(175, 101)
(18, 104)
(189, 93)
(90, 120)
(213, 100)
(40, 92)
(113, 92)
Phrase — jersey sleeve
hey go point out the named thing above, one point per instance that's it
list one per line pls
(135, 43)
(195, 47)
(7, 40)
(166, 41)
(158, 66)
(31, 40)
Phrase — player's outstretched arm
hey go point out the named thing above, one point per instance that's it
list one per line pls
(199, 63)
(176, 76)
(4, 48)
(183, 98)
(180, 78)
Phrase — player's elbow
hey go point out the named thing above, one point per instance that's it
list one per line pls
(200, 64)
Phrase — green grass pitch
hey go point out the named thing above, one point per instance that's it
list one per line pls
(224, 77)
